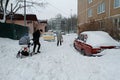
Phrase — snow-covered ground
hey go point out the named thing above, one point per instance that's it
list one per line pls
(57, 63)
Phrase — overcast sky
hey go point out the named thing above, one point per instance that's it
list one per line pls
(54, 7)
(64, 7)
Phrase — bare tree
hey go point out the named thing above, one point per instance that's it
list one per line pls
(4, 4)
(14, 8)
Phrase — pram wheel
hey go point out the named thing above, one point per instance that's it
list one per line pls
(18, 54)
(31, 53)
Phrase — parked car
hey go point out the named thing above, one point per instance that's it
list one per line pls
(93, 42)
(48, 36)
(62, 32)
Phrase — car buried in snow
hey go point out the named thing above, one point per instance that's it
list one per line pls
(93, 42)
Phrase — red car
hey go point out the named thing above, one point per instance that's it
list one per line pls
(93, 42)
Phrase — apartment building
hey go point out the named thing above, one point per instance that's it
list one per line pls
(99, 10)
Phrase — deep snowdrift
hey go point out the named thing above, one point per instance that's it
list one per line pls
(57, 63)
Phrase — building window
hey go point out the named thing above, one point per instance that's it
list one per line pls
(89, 1)
(116, 3)
(101, 8)
(89, 12)
(102, 24)
(117, 22)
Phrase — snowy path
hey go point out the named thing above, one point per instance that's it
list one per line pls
(56, 63)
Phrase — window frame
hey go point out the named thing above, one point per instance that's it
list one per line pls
(116, 4)
(90, 1)
(90, 12)
(101, 8)
(116, 22)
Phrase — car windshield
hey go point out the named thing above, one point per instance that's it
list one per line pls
(48, 34)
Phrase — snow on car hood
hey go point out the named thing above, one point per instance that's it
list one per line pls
(100, 38)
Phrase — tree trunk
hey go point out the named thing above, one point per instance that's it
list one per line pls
(4, 8)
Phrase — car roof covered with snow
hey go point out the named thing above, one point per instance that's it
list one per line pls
(100, 38)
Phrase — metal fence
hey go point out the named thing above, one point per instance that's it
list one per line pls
(12, 31)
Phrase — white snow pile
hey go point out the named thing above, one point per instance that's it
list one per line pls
(57, 63)
(98, 38)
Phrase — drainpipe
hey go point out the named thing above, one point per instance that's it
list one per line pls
(24, 12)
(86, 11)
(11, 13)
(109, 8)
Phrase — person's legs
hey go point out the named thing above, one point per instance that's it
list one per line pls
(39, 45)
(60, 42)
(34, 47)
(57, 42)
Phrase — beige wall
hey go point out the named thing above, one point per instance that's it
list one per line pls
(82, 11)
(114, 11)
(42, 26)
(83, 7)
(32, 25)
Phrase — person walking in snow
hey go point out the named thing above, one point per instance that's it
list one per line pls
(59, 38)
(36, 36)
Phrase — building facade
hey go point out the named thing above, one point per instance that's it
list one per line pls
(31, 21)
(99, 10)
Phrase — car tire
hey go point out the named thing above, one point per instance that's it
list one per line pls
(83, 52)
(74, 45)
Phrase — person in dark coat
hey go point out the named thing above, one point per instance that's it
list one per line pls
(36, 36)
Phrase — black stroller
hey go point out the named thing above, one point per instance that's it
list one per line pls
(25, 44)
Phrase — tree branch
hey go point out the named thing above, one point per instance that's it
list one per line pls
(22, 7)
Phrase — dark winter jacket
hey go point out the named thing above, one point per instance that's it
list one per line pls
(36, 36)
